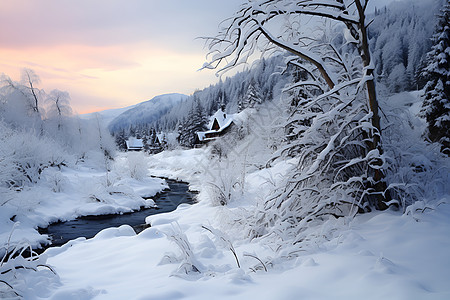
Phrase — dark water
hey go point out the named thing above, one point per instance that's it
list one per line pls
(89, 226)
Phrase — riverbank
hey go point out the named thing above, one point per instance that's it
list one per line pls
(88, 226)
(201, 252)
(186, 254)
(73, 191)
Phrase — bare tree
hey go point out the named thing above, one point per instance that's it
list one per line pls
(29, 79)
(270, 25)
(59, 106)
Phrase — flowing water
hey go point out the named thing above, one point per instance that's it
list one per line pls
(89, 226)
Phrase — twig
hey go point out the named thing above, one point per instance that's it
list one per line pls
(2, 281)
(255, 257)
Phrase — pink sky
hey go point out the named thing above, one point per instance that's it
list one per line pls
(111, 53)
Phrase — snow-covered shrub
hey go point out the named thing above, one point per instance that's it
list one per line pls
(56, 179)
(223, 240)
(137, 165)
(225, 182)
(24, 156)
(17, 260)
(417, 170)
(245, 148)
(188, 263)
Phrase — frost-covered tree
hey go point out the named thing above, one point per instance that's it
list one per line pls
(25, 155)
(59, 111)
(341, 144)
(22, 100)
(397, 81)
(29, 79)
(251, 98)
(436, 106)
(59, 104)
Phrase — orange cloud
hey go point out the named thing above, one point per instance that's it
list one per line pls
(119, 75)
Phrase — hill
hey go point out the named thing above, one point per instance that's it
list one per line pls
(146, 112)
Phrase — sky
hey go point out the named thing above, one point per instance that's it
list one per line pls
(112, 53)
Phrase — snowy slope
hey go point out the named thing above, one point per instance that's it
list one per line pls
(106, 116)
(147, 112)
(378, 255)
(381, 255)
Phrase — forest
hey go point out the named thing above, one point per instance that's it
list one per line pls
(334, 170)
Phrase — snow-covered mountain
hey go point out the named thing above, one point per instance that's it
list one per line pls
(146, 112)
(106, 116)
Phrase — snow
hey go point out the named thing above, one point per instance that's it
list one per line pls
(222, 120)
(134, 144)
(374, 256)
(82, 190)
(106, 116)
(189, 253)
(148, 111)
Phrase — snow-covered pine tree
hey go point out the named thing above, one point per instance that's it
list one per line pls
(436, 105)
(146, 142)
(132, 131)
(251, 98)
(120, 138)
(196, 123)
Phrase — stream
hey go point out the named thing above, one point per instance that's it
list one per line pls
(89, 226)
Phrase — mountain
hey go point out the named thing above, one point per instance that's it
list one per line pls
(146, 112)
(106, 116)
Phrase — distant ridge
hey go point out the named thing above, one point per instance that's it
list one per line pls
(106, 116)
(146, 112)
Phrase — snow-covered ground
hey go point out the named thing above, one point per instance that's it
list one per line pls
(195, 252)
(382, 255)
(74, 191)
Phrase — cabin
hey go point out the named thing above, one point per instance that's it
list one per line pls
(160, 138)
(134, 144)
(219, 125)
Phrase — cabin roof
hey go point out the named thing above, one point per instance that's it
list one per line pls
(134, 143)
(222, 119)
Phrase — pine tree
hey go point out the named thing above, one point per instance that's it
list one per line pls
(120, 139)
(436, 105)
(195, 123)
(251, 98)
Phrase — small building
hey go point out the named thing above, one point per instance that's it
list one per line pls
(219, 125)
(134, 144)
(160, 138)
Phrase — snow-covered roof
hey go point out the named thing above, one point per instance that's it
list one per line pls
(223, 120)
(201, 135)
(134, 143)
(161, 137)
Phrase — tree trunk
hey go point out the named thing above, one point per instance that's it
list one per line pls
(380, 184)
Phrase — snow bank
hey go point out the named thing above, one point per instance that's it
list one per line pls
(186, 255)
(381, 255)
(71, 192)
(195, 252)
